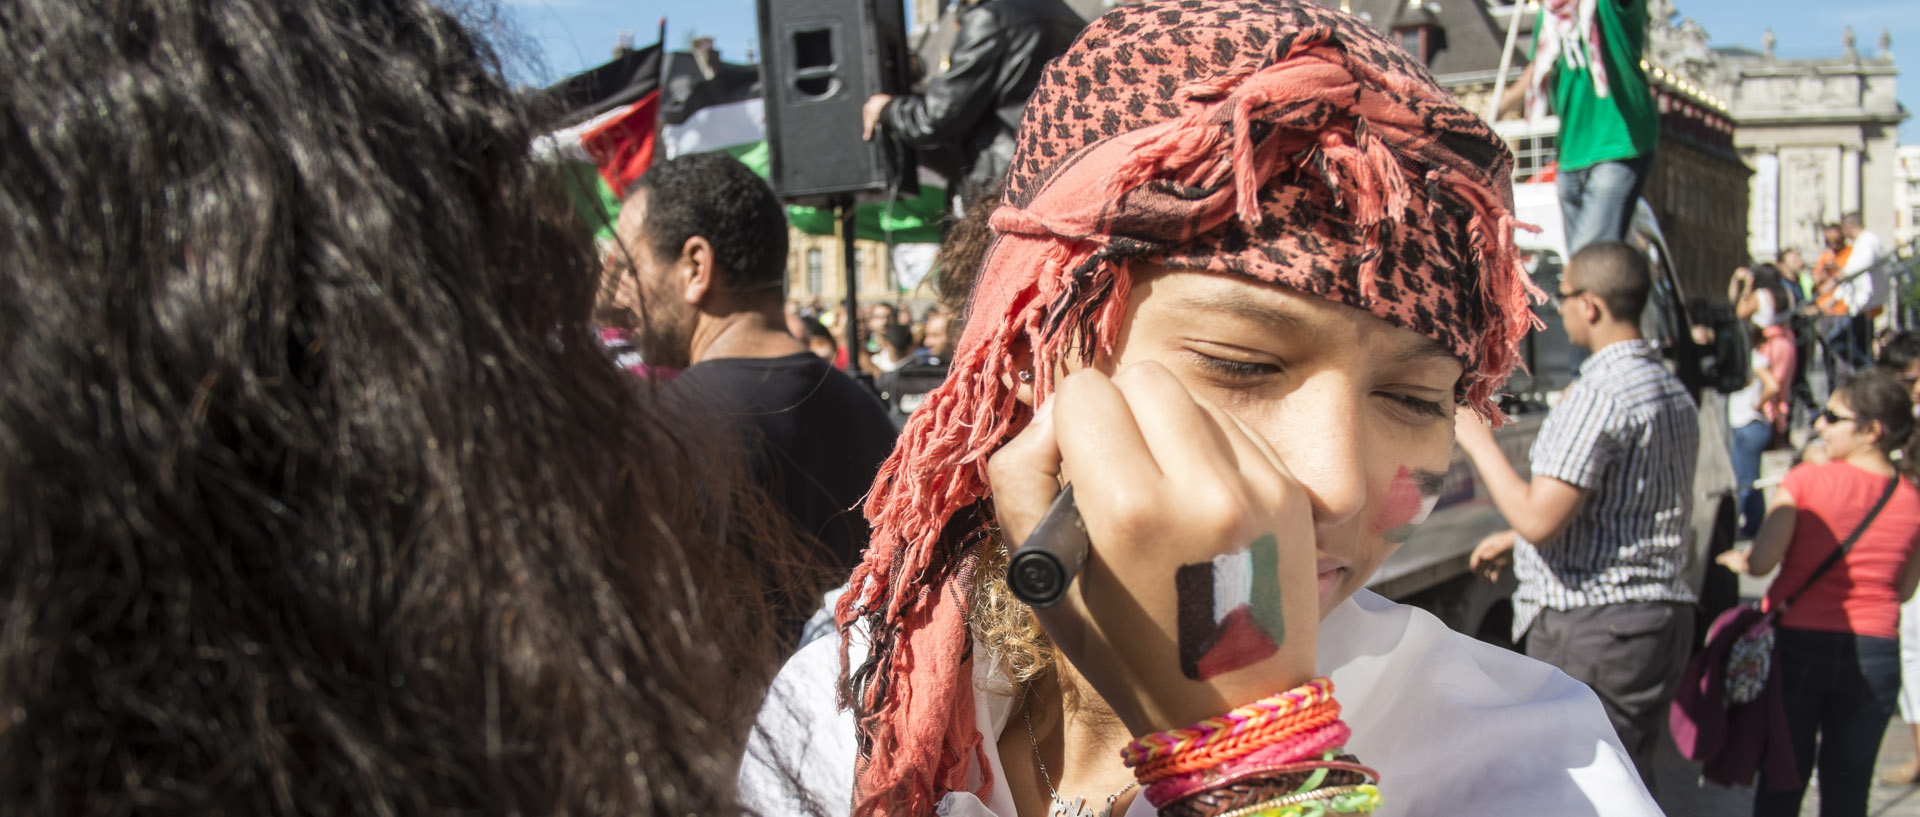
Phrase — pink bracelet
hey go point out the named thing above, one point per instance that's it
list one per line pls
(1304, 767)
(1156, 747)
(1294, 752)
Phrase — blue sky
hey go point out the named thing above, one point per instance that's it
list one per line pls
(566, 36)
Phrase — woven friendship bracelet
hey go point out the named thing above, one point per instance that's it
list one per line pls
(1256, 766)
(1260, 791)
(1252, 717)
(1301, 740)
(1277, 757)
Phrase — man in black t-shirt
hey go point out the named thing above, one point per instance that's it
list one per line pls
(706, 242)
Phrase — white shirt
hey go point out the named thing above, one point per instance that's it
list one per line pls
(1453, 725)
(1743, 406)
(1863, 293)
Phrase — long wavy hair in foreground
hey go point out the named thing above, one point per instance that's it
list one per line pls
(319, 496)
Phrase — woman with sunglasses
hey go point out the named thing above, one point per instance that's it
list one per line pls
(1838, 645)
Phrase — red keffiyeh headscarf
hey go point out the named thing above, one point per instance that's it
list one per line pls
(1278, 140)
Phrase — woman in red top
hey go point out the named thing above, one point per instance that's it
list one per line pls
(1839, 648)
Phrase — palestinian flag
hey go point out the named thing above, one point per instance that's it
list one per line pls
(1229, 610)
(711, 107)
(719, 107)
(605, 122)
(613, 120)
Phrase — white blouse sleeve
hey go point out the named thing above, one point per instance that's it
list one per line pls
(801, 754)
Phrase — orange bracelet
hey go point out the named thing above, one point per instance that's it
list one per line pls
(1213, 753)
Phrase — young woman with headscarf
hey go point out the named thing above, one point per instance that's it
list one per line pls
(1249, 259)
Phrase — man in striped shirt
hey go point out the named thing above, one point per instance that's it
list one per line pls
(1599, 533)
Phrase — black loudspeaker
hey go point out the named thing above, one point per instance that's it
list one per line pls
(820, 61)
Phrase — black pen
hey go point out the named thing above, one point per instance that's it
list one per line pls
(1045, 565)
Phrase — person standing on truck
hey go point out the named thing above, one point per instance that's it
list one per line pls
(1599, 533)
(1586, 63)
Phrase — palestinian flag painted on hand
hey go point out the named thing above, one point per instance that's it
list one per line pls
(605, 121)
(1229, 610)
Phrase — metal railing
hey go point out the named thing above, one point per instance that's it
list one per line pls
(1828, 353)
(1902, 274)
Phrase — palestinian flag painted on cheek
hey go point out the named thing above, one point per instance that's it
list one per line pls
(1229, 616)
(605, 124)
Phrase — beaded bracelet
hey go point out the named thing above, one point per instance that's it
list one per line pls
(1261, 764)
(1260, 791)
(1360, 799)
(1253, 717)
(1281, 754)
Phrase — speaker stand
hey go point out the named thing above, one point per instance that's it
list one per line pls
(843, 206)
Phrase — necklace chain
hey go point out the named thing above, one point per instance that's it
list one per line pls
(1058, 806)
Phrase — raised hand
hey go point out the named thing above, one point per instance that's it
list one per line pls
(1200, 592)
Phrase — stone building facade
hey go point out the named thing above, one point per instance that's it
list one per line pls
(1822, 136)
(1755, 153)
(816, 269)
(1906, 196)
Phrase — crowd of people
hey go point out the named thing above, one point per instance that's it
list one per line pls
(1851, 503)
(890, 335)
(326, 496)
(1842, 526)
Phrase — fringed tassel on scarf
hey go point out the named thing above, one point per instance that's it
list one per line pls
(1511, 296)
(913, 691)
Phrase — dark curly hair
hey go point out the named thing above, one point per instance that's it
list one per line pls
(320, 497)
(714, 196)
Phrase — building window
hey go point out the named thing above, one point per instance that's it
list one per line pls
(816, 273)
(1414, 41)
(1417, 29)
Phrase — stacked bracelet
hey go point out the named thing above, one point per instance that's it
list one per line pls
(1270, 789)
(1254, 768)
(1280, 756)
(1339, 800)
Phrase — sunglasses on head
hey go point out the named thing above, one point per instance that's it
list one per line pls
(1832, 416)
